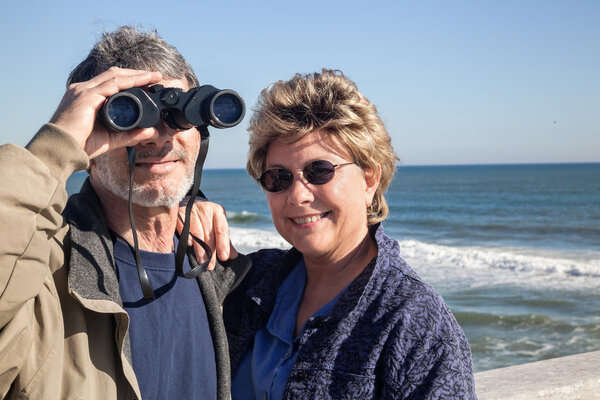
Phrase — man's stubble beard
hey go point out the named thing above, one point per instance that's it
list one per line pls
(113, 174)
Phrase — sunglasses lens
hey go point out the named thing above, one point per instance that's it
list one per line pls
(276, 180)
(319, 172)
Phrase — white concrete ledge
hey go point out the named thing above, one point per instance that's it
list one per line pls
(565, 378)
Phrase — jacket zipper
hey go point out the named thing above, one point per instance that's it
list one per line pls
(132, 396)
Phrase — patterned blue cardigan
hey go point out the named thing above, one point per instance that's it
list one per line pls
(390, 335)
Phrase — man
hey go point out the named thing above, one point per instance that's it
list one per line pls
(73, 320)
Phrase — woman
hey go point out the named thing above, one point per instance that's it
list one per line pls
(340, 315)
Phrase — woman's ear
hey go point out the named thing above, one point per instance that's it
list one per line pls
(372, 178)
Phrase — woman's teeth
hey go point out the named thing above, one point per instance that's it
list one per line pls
(308, 220)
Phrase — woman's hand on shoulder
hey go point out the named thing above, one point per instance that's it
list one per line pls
(208, 223)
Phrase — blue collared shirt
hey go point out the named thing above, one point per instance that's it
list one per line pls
(266, 368)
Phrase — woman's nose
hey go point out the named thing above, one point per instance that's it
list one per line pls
(299, 191)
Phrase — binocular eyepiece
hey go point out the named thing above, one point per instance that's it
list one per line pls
(180, 110)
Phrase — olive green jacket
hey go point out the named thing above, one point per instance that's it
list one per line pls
(63, 329)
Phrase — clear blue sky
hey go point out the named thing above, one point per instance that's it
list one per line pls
(456, 82)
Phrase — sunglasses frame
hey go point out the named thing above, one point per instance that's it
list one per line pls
(303, 173)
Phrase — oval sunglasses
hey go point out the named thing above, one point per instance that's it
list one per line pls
(317, 172)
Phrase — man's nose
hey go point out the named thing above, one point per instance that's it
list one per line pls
(163, 134)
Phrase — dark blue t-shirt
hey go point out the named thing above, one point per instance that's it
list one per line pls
(171, 345)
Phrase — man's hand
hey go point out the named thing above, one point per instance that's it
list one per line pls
(209, 223)
(76, 113)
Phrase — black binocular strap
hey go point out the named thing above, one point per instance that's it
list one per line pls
(144, 280)
(147, 290)
(185, 232)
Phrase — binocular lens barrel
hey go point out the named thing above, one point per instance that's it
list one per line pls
(226, 109)
(123, 111)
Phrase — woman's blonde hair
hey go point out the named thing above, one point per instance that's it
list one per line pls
(331, 103)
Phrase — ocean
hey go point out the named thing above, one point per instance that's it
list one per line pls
(513, 249)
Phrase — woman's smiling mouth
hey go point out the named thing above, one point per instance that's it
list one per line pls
(308, 220)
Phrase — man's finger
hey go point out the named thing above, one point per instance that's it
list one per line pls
(115, 72)
(123, 81)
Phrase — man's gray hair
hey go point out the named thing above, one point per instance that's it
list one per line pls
(130, 47)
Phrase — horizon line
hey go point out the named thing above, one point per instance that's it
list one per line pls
(400, 165)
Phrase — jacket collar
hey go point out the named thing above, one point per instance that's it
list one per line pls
(92, 273)
(264, 292)
(92, 269)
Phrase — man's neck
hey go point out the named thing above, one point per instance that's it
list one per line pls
(155, 226)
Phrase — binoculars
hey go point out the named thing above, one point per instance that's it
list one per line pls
(180, 110)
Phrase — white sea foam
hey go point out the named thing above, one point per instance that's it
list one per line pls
(480, 266)
(471, 266)
(247, 240)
